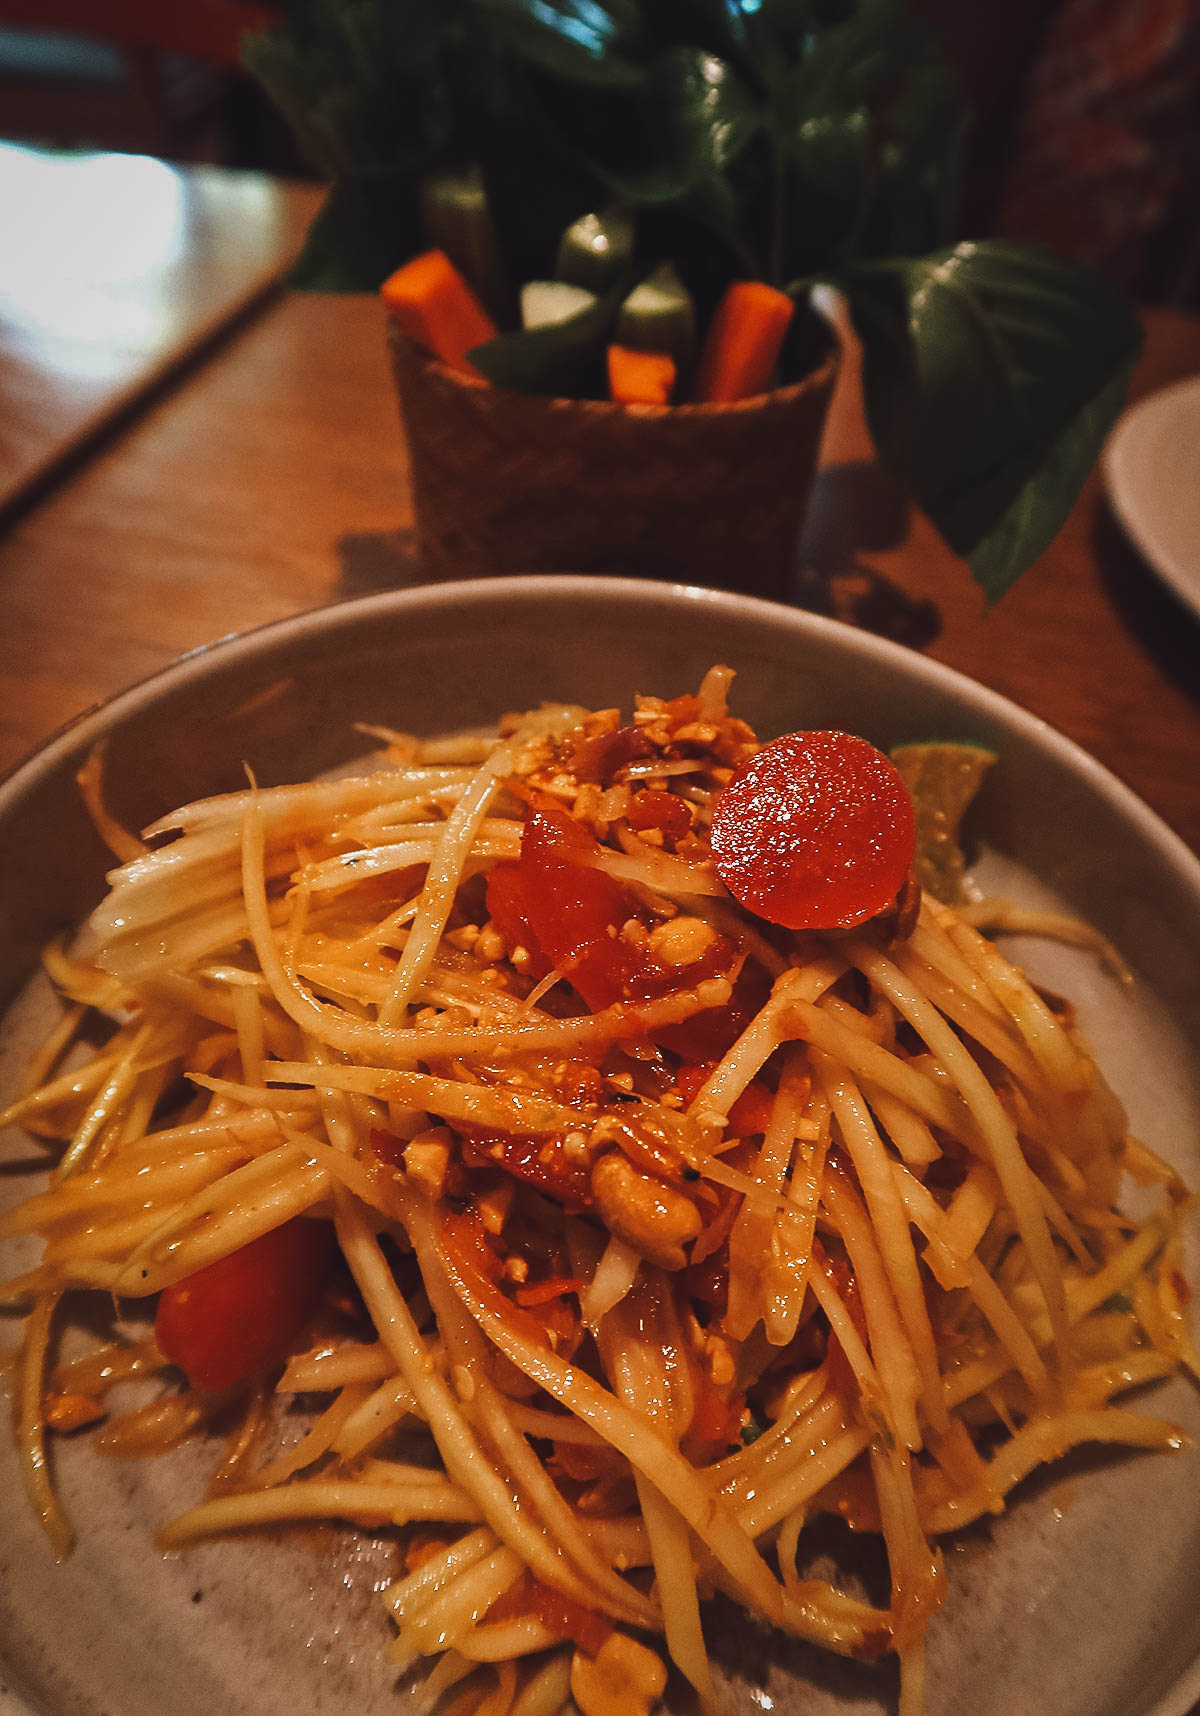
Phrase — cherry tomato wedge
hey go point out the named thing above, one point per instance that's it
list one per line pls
(564, 911)
(541, 1161)
(714, 1419)
(816, 831)
(231, 1319)
(560, 1614)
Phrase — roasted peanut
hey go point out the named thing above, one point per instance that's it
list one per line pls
(624, 1678)
(68, 1412)
(653, 1218)
(681, 941)
(426, 1158)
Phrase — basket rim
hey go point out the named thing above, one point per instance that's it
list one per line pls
(814, 381)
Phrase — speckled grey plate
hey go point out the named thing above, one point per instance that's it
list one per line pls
(1084, 1600)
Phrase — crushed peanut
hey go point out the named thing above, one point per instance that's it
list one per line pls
(493, 1207)
(624, 1678)
(722, 1366)
(681, 941)
(653, 1218)
(489, 947)
(426, 1158)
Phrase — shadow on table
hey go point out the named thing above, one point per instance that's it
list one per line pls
(372, 561)
(1161, 623)
(855, 509)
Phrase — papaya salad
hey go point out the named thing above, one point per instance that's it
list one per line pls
(590, 1155)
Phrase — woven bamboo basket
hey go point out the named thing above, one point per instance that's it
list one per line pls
(508, 483)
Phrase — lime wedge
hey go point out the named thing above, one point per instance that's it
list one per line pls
(942, 778)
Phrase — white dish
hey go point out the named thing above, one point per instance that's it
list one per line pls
(1152, 469)
(1082, 1604)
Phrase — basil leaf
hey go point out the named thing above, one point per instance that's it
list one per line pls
(537, 183)
(919, 167)
(867, 125)
(363, 86)
(697, 117)
(1041, 506)
(368, 225)
(694, 119)
(823, 170)
(991, 372)
(367, 91)
(788, 140)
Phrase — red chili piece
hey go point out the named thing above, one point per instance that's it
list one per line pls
(816, 831)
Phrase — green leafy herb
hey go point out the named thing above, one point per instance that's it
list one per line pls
(791, 141)
(353, 243)
(991, 374)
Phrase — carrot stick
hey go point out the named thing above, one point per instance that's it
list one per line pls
(640, 378)
(743, 342)
(429, 300)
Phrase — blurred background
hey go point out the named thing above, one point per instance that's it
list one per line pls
(1086, 133)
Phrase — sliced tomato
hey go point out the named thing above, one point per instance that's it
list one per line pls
(816, 831)
(597, 757)
(751, 1113)
(748, 1115)
(539, 1160)
(715, 1420)
(387, 1147)
(466, 1252)
(569, 1619)
(585, 1463)
(469, 1237)
(707, 1283)
(569, 914)
(228, 1321)
(664, 811)
(709, 1035)
(852, 1494)
(575, 911)
(560, 1614)
(507, 890)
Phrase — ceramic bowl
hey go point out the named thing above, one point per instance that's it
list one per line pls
(1080, 1601)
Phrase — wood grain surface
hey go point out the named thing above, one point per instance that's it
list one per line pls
(272, 479)
(114, 270)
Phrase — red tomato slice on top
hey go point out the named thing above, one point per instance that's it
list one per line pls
(816, 831)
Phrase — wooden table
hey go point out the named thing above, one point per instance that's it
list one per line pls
(116, 270)
(273, 480)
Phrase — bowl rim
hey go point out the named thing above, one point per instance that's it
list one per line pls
(108, 713)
